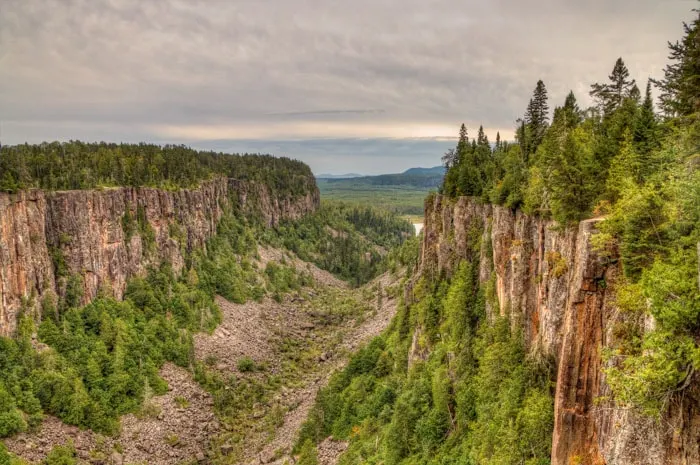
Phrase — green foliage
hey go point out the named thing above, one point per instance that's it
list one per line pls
(680, 87)
(104, 357)
(62, 455)
(401, 199)
(347, 240)
(308, 454)
(80, 165)
(224, 267)
(621, 160)
(246, 364)
(478, 398)
(282, 279)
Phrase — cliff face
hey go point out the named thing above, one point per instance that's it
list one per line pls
(107, 236)
(553, 284)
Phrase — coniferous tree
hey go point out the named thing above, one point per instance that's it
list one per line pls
(635, 94)
(609, 97)
(462, 143)
(646, 128)
(537, 117)
(454, 160)
(680, 87)
(571, 111)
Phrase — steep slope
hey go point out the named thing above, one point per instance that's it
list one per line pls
(551, 282)
(105, 236)
(499, 355)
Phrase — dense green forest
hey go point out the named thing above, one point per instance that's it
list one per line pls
(345, 239)
(401, 193)
(402, 199)
(101, 360)
(478, 397)
(426, 178)
(80, 165)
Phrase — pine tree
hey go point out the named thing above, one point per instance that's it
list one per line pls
(537, 117)
(571, 111)
(680, 87)
(635, 94)
(454, 160)
(462, 143)
(449, 158)
(646, 129)
(481, 138)
(609, 97)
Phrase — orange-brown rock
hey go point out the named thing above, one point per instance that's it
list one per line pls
(87, 230)
(560, 291)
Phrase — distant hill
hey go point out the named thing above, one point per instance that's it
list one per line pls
(435, 170)
(338, 176)
(425, 178)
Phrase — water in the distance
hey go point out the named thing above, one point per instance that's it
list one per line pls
(418, 227)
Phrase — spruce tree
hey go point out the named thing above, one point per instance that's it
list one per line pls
(481, 138)
(462, 143)
(571, 111)
(454, 159)
(537, 117)
(609, 97)
(680, 87)
(646, 128)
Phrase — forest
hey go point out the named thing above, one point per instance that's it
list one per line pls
(99, 361)
(479, 398)
(345, 239)
(81, 165)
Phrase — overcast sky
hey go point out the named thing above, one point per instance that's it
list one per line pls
(346, 85)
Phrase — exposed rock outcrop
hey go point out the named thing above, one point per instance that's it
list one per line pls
(106, 236)
(550, 281)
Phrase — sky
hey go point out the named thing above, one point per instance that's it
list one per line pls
(367, 86)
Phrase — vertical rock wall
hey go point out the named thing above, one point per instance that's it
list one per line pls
(97, 234)
(552, 283)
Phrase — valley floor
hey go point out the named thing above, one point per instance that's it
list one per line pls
(289, 348)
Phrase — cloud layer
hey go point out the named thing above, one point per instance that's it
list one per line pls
(265, 70)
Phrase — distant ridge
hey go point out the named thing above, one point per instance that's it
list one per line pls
(439, 170)
(427, 178)
(339, 176)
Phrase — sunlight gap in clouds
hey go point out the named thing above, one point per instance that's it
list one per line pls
(319, 129)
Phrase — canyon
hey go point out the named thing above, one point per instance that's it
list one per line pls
(550, 280)
(105, 236)
(552, 283)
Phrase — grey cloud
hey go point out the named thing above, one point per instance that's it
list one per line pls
(115, 69)
(327, 112)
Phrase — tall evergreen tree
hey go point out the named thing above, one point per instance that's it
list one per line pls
(463, 139)
(609, 97)
(481, 138)
(537, 117)
(646, 128)
(571, 111)
(680, 87)
(454, 160)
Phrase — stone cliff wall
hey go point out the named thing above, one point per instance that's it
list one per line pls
(106, 236)
(553, 284)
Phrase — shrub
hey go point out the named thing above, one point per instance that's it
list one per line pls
(246, 364)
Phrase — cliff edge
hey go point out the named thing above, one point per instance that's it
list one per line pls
(552, 283)
(105, 236)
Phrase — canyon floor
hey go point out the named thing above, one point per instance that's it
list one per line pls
(298, 342)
